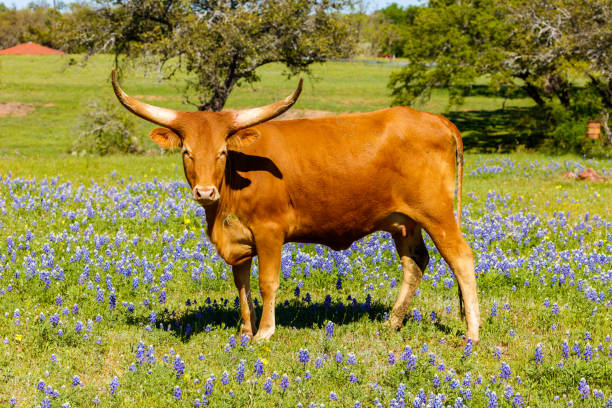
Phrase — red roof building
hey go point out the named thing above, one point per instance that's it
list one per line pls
(29, 48)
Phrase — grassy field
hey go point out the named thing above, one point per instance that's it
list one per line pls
(60, 92)
(111, 295)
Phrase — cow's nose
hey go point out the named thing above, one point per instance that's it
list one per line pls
(205, 195)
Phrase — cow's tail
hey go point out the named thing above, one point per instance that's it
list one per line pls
(459, 159)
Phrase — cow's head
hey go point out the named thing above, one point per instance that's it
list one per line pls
(203, 136)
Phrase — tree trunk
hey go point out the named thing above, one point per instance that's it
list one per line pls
(605, 120)
(222, 91)
(534, 93)
(216, 102)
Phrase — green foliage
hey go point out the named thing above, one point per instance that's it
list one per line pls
(449, 46)
(105, 128)
(220, 44)
(550, 50)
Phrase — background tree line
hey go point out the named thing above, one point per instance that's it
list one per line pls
(556, 52)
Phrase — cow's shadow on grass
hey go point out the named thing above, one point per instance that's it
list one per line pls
(500, 130)
(295, 314)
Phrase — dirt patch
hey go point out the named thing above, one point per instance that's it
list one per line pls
(304, 114)
(150, 97)
(15, 109)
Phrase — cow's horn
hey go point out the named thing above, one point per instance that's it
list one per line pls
(161, 116)
(249, 117)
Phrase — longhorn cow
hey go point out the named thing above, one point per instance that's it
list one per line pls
(330, 181)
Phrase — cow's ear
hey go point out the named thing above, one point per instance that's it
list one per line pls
(243, 138)
(166, 138)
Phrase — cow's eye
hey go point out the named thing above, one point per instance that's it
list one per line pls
(187, 155)
(222, 153)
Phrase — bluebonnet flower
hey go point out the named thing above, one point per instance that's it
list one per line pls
(391, 358)
(240, 372)
(258, 368)
(518, 401)
(114, 384)
(467, 349)
(588, 352)
(54, 319)
(504, 371)
(152, 317)
(244, 340)
(284, 383)
(303, 356)
(436, 381)
(497, 353)
(209, 386)
(584, 389)
(76, 381)
(329, 330)
(416, 315)
(178, 366)
(352, 378)
(177, 393)
(224, 378)
(492, 399)
(333, 396)
(339, 357)
(539, 355)
(232, 341)
(351, 359)
(319, 362)
(493, 312)
(508, 393)
(268, 385)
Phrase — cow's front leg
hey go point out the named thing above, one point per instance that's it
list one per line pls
(242, 279)
(269, 252)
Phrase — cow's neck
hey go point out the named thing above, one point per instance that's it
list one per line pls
(211, 216)
(232, 239)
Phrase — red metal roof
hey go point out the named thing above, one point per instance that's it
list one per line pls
(29, 48)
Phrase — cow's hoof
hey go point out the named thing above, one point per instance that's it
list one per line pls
(393, 324)
(263, 335)
(244, 331)
(475, 340)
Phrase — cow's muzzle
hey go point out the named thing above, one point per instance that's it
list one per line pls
(205, 195)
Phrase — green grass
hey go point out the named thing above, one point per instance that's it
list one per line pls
(61, 91)
(33, 148)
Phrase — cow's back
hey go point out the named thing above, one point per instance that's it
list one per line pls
(338, 176)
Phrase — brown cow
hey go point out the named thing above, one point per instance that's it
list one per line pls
(330, 181)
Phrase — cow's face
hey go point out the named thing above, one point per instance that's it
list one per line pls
(202, 140)
(201, 136)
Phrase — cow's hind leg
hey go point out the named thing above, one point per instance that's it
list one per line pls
(242, 279)
(414, 259)
(452, 246)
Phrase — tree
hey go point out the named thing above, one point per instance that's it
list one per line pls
(564, 39)
(449, 45)
(539, 47)
(220, 43)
